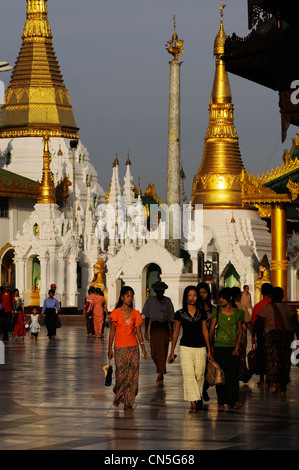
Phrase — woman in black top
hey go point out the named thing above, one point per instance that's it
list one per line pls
(204, 293)
(194, 345)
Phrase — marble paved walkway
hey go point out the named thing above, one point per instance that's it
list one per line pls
(53, 397)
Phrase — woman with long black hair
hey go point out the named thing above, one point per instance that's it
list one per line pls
(124, 330)
(205, 295)
(226, 345)
(194, 345)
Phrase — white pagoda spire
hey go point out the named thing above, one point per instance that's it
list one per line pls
(128, 191)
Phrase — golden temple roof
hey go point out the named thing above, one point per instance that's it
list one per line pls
(36, 101)
(216, 184)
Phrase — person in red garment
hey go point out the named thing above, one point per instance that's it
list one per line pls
(267, 290)
(98, 304)
(19, 328)
(8, 303)
(279, 324)
(88, 311)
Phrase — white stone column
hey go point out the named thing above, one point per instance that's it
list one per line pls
(72, 297)
(173, 157)
(20, 275)
(52, 266)
(44, 281)
(61, 276)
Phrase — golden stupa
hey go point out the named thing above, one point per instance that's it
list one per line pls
(47, 188)
(216, 184)
(36, 101)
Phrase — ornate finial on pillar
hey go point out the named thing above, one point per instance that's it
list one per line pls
(174, 28)
(175, 45)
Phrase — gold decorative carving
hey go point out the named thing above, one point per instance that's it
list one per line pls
(62, 190)
(37, 25)
(254, 191)
(264, 210)
(279, 265)
(98, 278)
(263, 277)
(217, 181)
(151, 192)
(31, 132)
(35, 296)
(17, 190)
(293, 188)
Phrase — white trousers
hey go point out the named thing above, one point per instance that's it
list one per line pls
(193, 364)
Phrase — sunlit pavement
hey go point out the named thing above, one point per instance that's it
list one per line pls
(53, 397)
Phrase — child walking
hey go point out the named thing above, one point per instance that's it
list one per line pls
(34, 324)
(19, 328)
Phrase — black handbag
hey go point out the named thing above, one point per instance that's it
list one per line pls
(108, 370)
(108, 380)
(90, 314)
(58, 322)
(251, 359)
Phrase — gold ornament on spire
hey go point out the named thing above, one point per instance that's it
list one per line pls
(175, 45)
(36, 100)
(37, 25)
(221, 36)
(47, 188)
(216, 184)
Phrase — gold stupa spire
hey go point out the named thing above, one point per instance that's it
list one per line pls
(47, 188)
(36, 100)
(216, 184)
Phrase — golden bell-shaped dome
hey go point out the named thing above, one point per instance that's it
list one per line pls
(220, 40)
(216, 184)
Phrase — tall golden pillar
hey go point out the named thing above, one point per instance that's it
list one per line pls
(257, 191)
(279, 262)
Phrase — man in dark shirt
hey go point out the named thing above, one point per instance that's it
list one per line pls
(159, 314)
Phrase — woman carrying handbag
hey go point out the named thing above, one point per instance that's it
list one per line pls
(226, 344)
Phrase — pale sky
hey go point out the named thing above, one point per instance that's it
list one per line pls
(113, 59)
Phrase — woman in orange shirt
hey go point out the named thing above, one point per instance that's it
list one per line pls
(124, 330)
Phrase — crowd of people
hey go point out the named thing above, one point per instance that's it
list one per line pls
(14, 319)
(207, 332)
